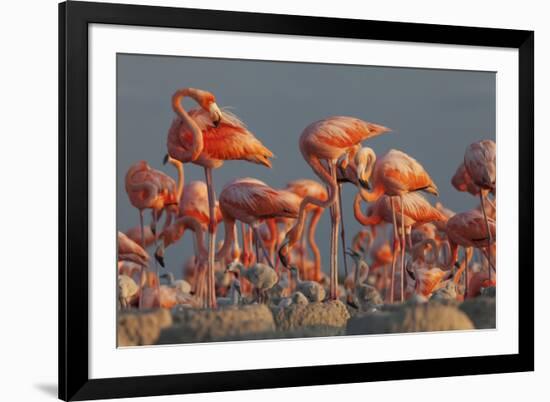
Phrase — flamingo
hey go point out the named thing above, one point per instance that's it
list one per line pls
(127, 290)
(480, 163)
(148, 188)
(262, 276)
(413, 209)
(251, 201)
(469, 229)
(207, 137)
(327, 141)
(312, 290)
(304, 188)
(234, 297)
(129, 250)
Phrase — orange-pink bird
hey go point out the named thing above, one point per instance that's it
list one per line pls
(251, 201)
(413, 210)
(326, 142)
(480, 163)
(394, 174)
(468, 229)
(208, 136)
(311, 188)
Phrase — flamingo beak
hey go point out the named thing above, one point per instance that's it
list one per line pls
(165, 159)
(159, 256)
(282, 255)
(364, 183)
(215, 114)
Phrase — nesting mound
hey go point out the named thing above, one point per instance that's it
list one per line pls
(142, 327)
(482, 311)
(229, 323)
(410, 318)
(325, 317)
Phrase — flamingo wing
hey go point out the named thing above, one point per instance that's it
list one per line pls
(230, 140)
(257, 199)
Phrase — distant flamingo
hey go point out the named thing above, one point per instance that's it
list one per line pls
(328, 141)
(148, 188)
(412, 210)
(462, 181)
(480, 163)
(130, 250)
(469, 229)
(311, 188)
(394, 174)
(207, 137)
(251, 201)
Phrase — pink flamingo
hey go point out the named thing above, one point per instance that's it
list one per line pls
(251, 201)
(394, 174)
(470, 229)
(311, 188)
(148, 188)
(413, 210)
(207, 137)
(327, 141)
(480, 163)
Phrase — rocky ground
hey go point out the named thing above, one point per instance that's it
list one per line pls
(255, 321)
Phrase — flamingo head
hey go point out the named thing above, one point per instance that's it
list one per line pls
(234, 267)
(293, 272)
(365, 159)
(159, 254)
(353, 254)
(432, 189)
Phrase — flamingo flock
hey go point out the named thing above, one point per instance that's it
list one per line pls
(276, 259)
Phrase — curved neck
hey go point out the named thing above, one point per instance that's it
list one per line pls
(329, 178)
(181, 178)
(371, 196)
(228, 239)
(191, 223)
(197, 145)
(313, 244)
(360, 216)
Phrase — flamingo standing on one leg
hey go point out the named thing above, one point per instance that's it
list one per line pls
(328, 141)
(412, 210)
(251, 201)
(480, 163)
(207, 137)
(394, 174)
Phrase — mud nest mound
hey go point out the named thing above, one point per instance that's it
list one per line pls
(482, 311)
(324, 318)
(225, 324)
(410, 318)
(142, 327)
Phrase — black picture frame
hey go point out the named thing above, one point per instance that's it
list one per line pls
(74, 18)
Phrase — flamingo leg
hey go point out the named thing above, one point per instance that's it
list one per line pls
(394, 251)
(466, 280)
(157, 272)
(402, 250)
(343, 231)
(335, 211)
(257, 246)
(403, 245)
(260, 244)
(210, 284)
(489, 235)
(141, 275)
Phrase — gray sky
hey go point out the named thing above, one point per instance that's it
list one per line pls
(434, 115)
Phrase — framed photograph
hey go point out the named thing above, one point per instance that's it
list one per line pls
(258, 201)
